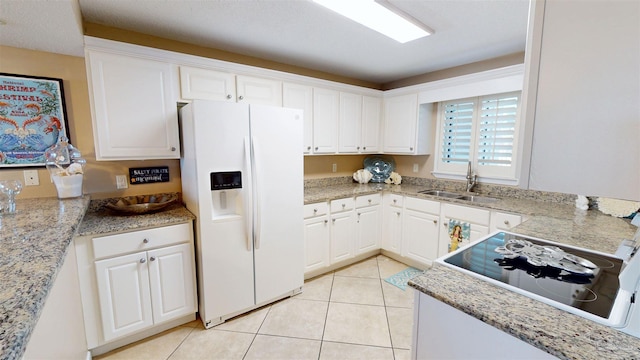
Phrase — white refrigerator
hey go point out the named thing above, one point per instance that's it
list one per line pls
(242, 176)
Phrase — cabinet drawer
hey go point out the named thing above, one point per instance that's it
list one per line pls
(505, 221)
(464, 213)
(422, 205)
(112, 245)
(317, 209)
(395, 200)
(342, 205)
(367, 200)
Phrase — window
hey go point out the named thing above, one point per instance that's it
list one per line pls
(482, 130)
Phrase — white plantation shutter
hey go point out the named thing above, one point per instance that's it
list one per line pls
(482, 130)
(457, 131)
(496, 130)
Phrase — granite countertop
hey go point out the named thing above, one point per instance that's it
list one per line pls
(548, 216)
(33, 246)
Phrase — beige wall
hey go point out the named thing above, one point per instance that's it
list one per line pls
(99, 176)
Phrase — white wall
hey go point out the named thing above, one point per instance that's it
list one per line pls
(586, 136)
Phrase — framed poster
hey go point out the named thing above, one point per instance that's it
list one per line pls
(32, 118)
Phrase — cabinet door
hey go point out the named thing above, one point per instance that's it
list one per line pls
(259, 91)
(325, 120)
(317, 245)
(134, 107)
(349, 123)
(503, 221)
(420, 236)
(392, 232)
(123, 290)
(301, 97)
(206, 84)
(172, 282)
(368, 226)
(342, 236)
(400, 124)
(371, 121)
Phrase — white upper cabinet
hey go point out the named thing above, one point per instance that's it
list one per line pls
(197, 83)
(404, 131)
(371, 121)
(256, 90)
(326, 110)
(298, 96)
(349, 123)
(133, 102)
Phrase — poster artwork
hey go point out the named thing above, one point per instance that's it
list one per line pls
(458, 231)
(32, 119)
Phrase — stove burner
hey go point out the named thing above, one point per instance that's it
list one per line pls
(546, 271)
(546, 256)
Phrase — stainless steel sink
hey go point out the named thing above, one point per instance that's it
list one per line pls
(440, 193)
(478, 199)
(452, 195)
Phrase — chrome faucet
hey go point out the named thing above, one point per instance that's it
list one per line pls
(471, 178)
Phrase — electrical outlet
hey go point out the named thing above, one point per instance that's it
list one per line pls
(31, 178)
(121, 182)
(415, 168)
(334, 168)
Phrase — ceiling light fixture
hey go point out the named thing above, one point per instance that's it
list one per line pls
(381, 16)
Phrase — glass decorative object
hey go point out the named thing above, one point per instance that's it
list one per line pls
(66, 167)
(10, 188)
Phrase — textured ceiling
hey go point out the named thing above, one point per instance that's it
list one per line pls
(296, 32)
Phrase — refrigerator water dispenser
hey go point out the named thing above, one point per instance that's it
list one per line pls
(225, 192)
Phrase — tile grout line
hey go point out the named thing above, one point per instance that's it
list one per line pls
(386, 314)
(326, 315)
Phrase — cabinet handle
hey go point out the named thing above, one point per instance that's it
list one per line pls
(173, 148)
(369, 201)
(411, 148)
(308, 147)
(240, 97)
(358, 214)
(326, 221)
(357, 147)
(333, 221)
(435, 221)
(364, 148)
(316, 148)
(146, 241)
(152, 258)
(229, 96)
(344, 205)
(398, 213)
(143, 260)
(315, 211)
(444, 224)
(506, 222)
(395, 201)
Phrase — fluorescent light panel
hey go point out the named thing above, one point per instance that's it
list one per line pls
(377, 17)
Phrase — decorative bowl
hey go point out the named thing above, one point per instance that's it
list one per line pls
(141, 204)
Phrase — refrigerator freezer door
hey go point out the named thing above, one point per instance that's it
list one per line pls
(214, 141)
(277, 135)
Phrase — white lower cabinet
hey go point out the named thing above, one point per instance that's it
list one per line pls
(420, 230)
(343, 221)
(478, 220)
(317, 236)
(368, 223)
(392, 223)
(503, 221)
(135, 284)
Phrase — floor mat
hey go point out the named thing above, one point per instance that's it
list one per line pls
(400, 279)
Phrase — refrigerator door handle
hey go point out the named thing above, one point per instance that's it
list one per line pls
(248, 213)
(256, 191)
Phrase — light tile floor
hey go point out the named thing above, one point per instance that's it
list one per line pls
(351, 313)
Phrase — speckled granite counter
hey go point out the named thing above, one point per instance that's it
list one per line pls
(33, 246)
(100, 220)
(549, 216)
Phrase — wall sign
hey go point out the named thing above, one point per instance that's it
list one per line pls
(148, 175)
(32, 118)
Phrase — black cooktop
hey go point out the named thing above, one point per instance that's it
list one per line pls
(592, 291)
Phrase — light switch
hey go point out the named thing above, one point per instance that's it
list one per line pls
(31, 178)
(121, 182)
